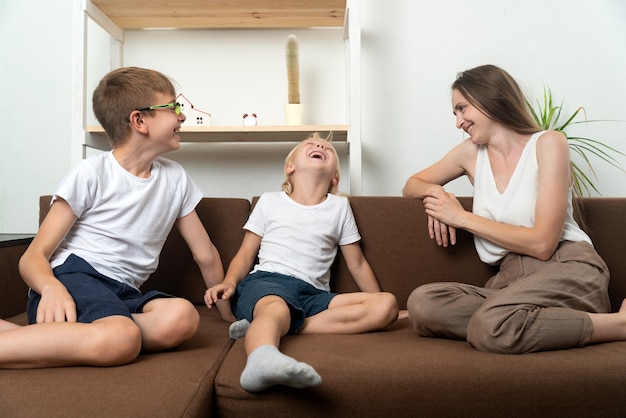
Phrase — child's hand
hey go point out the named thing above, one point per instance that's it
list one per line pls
(56, 305)
(403, 314)
(217, 292)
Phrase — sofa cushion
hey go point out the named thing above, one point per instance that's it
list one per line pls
(173, 383)
(395, 373)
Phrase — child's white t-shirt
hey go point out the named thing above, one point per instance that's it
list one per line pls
(123, 220)
(301, 241)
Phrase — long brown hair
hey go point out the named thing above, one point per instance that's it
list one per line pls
(495, 93)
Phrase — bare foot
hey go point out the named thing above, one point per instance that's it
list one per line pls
(6, 325)
(609, 326)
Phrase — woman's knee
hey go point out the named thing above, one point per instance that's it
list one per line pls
(489, 332)
(422, 310)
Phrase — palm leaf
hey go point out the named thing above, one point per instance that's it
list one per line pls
(548, 117)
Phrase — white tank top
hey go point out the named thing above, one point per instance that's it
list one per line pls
(516, 206)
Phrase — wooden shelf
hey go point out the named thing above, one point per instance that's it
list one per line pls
(251, 133)
(136, 14)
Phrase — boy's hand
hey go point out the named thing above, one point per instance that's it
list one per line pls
(56, 305)
(217, 292)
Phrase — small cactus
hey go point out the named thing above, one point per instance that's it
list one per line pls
(293, 69)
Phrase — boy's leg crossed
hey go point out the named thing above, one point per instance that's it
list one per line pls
(110, 341)
(166, 323)
(353, 313)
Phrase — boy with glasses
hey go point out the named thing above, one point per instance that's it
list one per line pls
(107, 224)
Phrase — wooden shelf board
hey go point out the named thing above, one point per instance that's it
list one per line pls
(136, 14)
(251, 133)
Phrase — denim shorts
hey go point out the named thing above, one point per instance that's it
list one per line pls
(95, 295)
(303, 299)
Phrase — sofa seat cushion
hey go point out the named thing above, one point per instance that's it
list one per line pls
(397, 373)
(174, 383)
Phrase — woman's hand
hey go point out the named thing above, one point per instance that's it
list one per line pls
(444, 211)
(444, 235)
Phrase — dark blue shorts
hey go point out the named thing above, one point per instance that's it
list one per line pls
(95, 295)
(303, 299)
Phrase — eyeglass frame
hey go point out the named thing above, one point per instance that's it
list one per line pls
(175, 106)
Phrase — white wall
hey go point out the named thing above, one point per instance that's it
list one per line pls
(35, 86)
(411, 53)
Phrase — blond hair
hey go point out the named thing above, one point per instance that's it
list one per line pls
(333, 187)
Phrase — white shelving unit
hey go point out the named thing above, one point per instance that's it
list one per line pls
(115, 16)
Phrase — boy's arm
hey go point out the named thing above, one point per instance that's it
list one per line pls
(359, 268)
(56, 304)
(238, 269)
(205, 255)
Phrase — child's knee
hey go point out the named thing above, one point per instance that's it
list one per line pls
(116, 341)
(385, 307)
(179, 321)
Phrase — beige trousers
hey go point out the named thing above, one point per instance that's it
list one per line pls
(530, 305)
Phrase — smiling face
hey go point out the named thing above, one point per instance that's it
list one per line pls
(164, 124)
(470, 119)
(314, 155)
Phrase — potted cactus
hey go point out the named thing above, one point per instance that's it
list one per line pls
(293, 108)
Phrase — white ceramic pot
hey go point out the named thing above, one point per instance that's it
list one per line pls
(293, 113)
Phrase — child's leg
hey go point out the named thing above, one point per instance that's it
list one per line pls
(6, 325)
(266, 366)
(109, 341)
(166, 323)
(353, 313)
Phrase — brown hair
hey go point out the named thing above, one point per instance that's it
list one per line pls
(497, 95)
(333, 188)
(123, 90)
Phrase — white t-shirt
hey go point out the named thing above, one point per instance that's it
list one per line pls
(301, 241)
(123, 220)
(516, 206)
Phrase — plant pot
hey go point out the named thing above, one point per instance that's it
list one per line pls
(293, 113)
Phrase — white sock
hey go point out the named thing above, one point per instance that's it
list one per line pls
(266, 366)
(238, 329)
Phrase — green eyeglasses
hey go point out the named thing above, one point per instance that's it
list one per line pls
(174, 106)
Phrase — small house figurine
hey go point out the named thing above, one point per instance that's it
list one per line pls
(194, 115)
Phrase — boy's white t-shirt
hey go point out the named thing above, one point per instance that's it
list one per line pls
(301, 241)
(123, 220)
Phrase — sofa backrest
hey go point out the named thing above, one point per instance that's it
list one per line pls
(394, 240)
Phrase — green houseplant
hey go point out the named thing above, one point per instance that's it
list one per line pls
(549, 116)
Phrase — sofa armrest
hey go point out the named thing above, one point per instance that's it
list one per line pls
(13, 293)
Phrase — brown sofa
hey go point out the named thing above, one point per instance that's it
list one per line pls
(387, 373)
